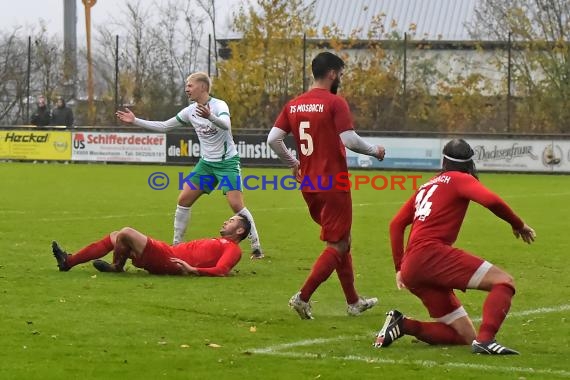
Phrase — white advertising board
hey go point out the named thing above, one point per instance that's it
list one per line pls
(119, 147)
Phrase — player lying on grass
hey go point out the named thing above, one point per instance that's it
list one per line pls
(431, 268)
(203, 257)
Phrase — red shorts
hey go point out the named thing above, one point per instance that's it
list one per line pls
(433, 271)
(333, 212)
(156, 258)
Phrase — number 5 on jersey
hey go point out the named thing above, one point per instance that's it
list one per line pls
(306, 139)
(423, 204)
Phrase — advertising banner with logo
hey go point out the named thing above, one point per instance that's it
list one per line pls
(559, 157)
(184, 148)
(516, 155)
(35, 145)
(119, 147)
(401, 153)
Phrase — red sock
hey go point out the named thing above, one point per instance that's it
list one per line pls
(432, 332)
(346, 276)
(495, 309)
(91, 252)
(322, 269)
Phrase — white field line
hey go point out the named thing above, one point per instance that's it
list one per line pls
(310, 342)
(423, 363)
(280, 350)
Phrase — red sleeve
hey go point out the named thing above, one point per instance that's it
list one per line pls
(282, 121)
(398, 225)
(229, 259)
(474, 190)
(341, 115)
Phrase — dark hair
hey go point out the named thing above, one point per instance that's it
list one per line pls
(324, 62)
(459, 149)
(246, 225)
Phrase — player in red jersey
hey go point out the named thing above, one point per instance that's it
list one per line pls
(321, 123)
(203, 257)
(431, 268)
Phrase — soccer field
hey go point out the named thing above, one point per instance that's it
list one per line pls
(85, 324)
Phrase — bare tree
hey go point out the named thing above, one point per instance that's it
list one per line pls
(158, 47)
(179, 37)
(539, 30)
(45, 76)
(209, 6)
(12, 56)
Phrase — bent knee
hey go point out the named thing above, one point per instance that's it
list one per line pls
(505, 279)
(496, 276)
(510, 281)
(125, 232)
(113, 236)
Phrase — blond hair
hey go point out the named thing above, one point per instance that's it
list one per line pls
(201, 76)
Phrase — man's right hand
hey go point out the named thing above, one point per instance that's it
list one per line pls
(296, 171)
(526, 233)
(399, 283)
(380, 152)
(126, 116)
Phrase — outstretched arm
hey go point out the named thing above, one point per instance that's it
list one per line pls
(129, 117)
(475, 191)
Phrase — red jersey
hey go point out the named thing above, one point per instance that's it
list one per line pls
(437, 209)
(316, 118)
(211, 257)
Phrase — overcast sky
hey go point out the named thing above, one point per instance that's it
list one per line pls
(29, 12)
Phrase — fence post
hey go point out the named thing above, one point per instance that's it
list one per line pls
(304, 62)
(209, 55)
(405, 79)
(28, 74)
(509, 81)
(116, 74)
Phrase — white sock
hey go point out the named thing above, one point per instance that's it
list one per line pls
(255, 243)
(181, 220)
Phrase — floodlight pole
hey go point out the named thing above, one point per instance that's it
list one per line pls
(91, 110)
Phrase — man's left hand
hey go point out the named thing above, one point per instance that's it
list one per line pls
(185, 268)
(203, 110)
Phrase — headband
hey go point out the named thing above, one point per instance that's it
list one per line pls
(458, 159)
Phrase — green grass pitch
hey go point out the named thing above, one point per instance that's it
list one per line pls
(84, 324)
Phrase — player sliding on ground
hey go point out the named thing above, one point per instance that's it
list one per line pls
(219, 164)
(431, 268)
(203, 257)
